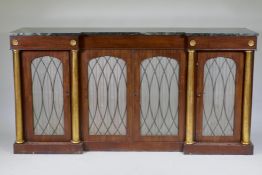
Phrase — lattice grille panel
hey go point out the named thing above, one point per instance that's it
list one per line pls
(219, 97)
(47, 87)
(107, 96)
(159, 96)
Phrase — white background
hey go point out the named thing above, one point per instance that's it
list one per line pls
(122, 13)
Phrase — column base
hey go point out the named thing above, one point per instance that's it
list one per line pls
(48, 148)
(219, 148)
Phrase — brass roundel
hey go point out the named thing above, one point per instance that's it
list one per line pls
(73, 42)
(251, 43)
(14, 42)
(192, 43)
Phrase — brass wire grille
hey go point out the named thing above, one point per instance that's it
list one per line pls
(47, 87)
(159, 78)
(107, 78)
(219, 97)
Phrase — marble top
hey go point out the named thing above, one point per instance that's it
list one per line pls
(134, 31)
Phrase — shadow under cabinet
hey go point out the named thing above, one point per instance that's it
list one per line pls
(176, 89)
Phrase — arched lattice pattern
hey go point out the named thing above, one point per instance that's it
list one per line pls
(107, 96)
(159, 96)
(47, 87)
(219, 97)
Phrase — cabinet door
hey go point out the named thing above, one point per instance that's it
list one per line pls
(219, 96)
(160, 78)
(106, 103)
(46, 95)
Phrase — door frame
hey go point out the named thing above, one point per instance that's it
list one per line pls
(26, 58)
(202, 57)
(85, 56)
(180, 57)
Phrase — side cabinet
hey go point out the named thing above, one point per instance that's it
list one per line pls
(189, 92)
(219, 95)
(44, 80)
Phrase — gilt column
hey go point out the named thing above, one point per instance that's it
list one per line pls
(18, 96)
(247, 100)
(190, 98)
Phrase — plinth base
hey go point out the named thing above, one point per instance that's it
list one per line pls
(219, 148)
(48, 148)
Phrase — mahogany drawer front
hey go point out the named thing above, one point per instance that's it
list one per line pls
(118, 41)
(44, 42)
(222, 42)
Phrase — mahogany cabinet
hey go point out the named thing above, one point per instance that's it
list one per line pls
(174, 89)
